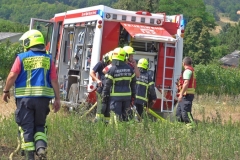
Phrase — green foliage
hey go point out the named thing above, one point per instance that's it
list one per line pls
(83, 3)
(219, 51)
(229, 7)
(218, 80)
(196, 42)
(229, 36)
(191, 9)
(70, 137)
(8, 26)
(7, 57)
(136, 5)
(22, 10)
(200, 18)
(212, 11)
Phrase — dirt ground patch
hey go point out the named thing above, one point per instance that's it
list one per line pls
(210, 110)
(217, 114)
(5, 151)
(226, 19)
(228, 108)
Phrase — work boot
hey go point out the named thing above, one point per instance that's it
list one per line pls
(41, 152)
(22, 153)
(29, 155)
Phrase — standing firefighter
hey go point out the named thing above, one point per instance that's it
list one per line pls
(145, 91)
(119, 89)
(34, 75)
(102, 110)
(129, 59)
(187, 85)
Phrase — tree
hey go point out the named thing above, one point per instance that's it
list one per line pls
(136, 5)
(189, 8)
(130, 5)
(212, 11)
(7, 57)
(228, 7)
(196, 42)
(22, 10)
(8, 26)
(229, 36)
(219, 52)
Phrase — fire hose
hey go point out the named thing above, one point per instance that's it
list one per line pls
(154, 114)
(16, 150)
(88, 111)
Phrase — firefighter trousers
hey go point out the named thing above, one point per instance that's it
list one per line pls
(121, 109)
(184, 109)
(139, 108)
(103, 110)
(30, 115)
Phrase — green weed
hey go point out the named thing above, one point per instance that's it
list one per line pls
(73, 138)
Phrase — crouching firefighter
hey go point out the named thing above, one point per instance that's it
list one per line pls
(34, 75)
(119, 89)
(186, 88)
(103, 112)
(145, 90)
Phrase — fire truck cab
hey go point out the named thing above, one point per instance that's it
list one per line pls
(78, 39)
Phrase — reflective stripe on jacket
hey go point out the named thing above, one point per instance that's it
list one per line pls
(34, 78)
(120, 82)
(145, 89)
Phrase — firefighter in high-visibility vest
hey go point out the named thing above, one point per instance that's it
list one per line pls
(129, 59)
(36, 83)
(186, 88)
(119, 89)
(102, 112)
(145, 90)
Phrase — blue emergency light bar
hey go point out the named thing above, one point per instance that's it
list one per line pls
(100, 13)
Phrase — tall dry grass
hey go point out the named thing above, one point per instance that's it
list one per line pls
(217, 136)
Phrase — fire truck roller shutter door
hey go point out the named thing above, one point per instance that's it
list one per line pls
(146, 32)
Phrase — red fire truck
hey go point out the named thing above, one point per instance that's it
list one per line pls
(77, 40)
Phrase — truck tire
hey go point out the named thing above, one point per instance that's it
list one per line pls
(73, 92)
(75, 105)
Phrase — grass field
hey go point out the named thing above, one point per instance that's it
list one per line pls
(72, 138)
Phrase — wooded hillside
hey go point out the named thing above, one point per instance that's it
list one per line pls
(22, 10)
(201, 17)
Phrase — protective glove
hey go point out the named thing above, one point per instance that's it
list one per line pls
(99, 83)
(151, 103)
